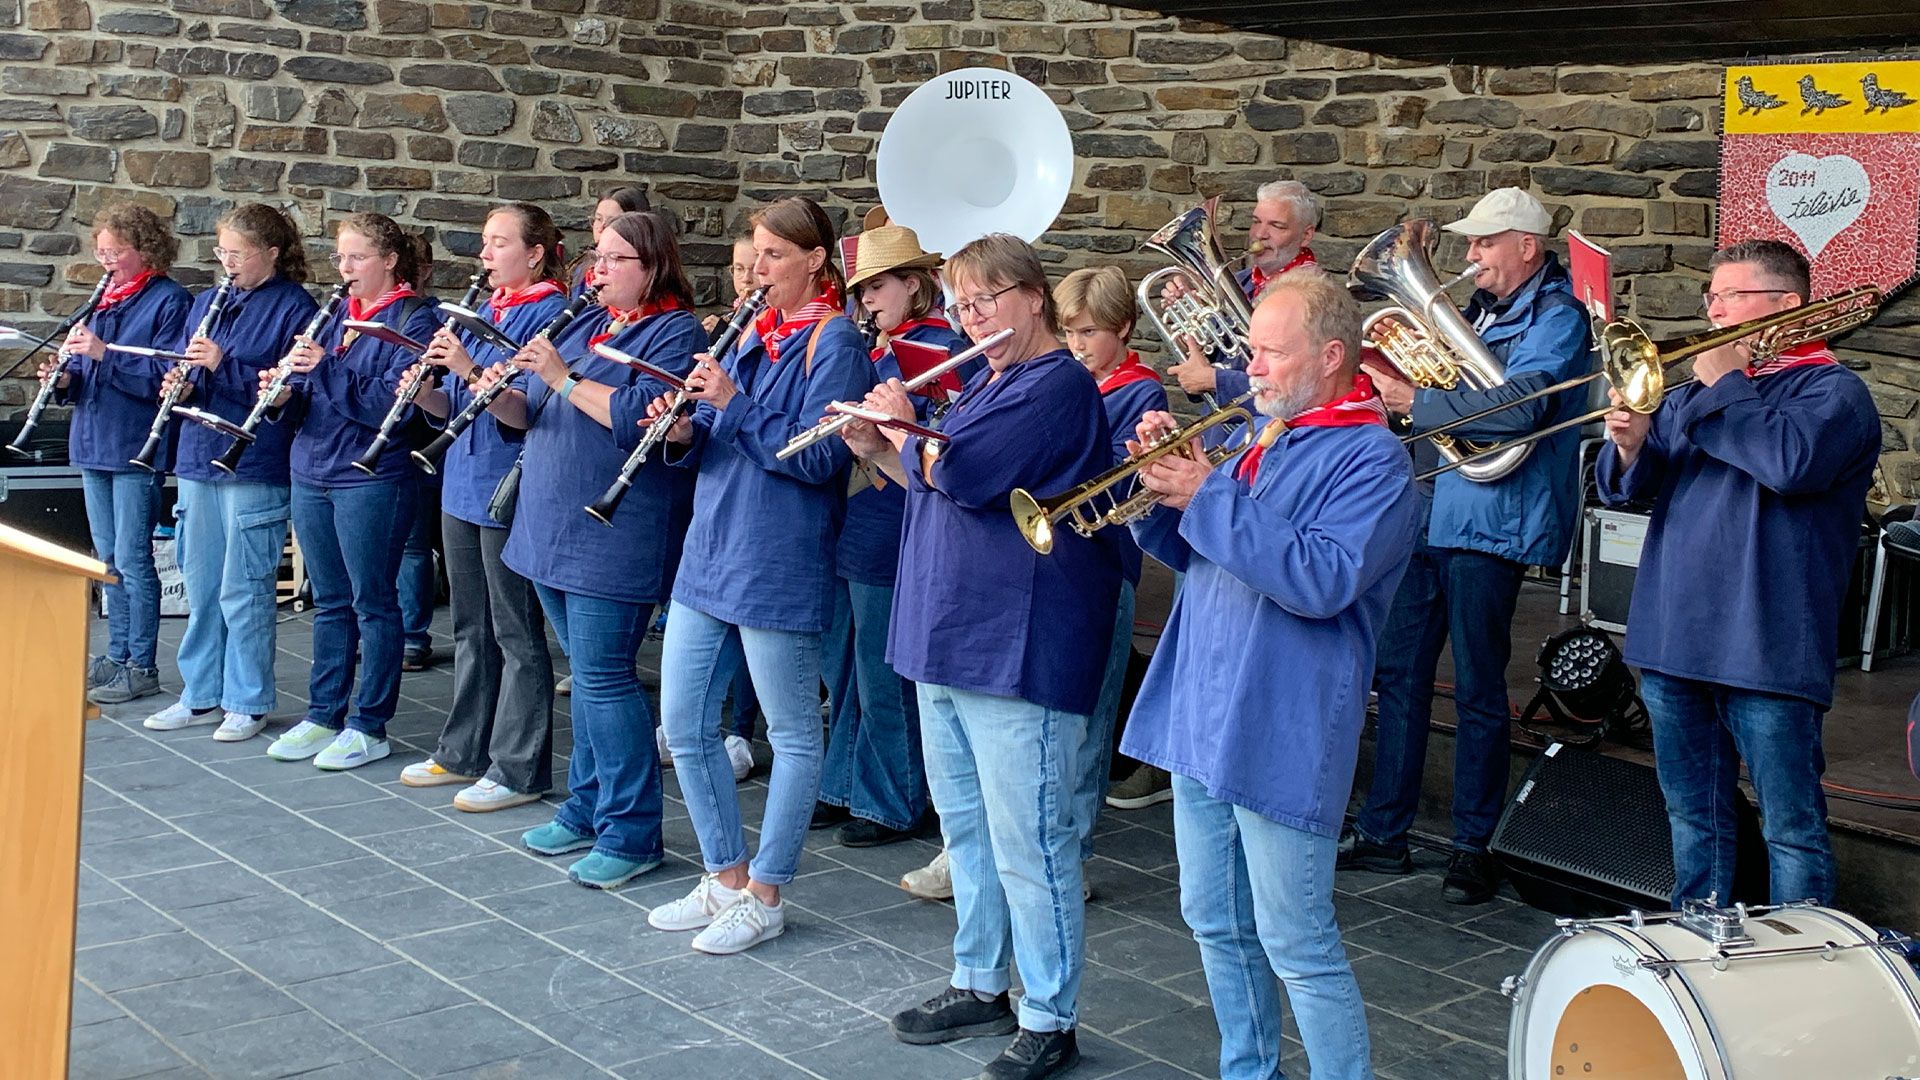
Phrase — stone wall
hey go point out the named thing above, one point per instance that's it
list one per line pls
(431, 111)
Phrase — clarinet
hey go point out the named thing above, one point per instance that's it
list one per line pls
(428, 458)
(229, 462)
(144, 459)
(411, 388)
(45, 393)
(603, 508)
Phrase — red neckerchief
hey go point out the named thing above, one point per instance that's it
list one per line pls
(120, 294)
(911, 324)
(1130, 371)
(504, 298)
(775, 327)
(1813, 352)
(1258, 279)
(355, 311)
(621, 320)
(1358, 406)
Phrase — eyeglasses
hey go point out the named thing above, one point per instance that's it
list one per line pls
(601, 258)
(241, 254)
(1708, 299)
(980, 306)
(107, 255)
(337, 259)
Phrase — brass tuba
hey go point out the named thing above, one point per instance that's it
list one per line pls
(1212, 311)
(1433, 347)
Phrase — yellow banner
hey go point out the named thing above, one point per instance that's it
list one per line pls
(1849, 99)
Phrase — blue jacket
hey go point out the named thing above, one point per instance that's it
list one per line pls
(484, 452)
(115, 398)
(1124, 407)
(571, 460)
(760, 549)
(1758, 489)
(978, 609)
(1528, 515)
(338, 406)
(869, 551)
(1259, 687)
(254, 331)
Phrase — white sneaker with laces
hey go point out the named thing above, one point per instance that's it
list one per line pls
(177, 716)
(740, 754)
(696, 909)
(351, 749)
(660, 742)
(933, 881)
(239, 727)
(484, 795)
(746, 923)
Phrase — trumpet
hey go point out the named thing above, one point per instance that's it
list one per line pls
(832, 426)
(411, 387)
(428, 457)
(1636, 367)
(229, 461)
(1078, 507)
(44, 395)
(602, 509)
(151, 450)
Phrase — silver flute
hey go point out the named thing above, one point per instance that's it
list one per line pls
(832, 425)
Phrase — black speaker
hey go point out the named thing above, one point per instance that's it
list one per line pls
(1586, 835)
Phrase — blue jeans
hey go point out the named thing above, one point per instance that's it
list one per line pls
(229, 540)
(416, 582)
(1002, 774)
(1701, 733)
(1259, 897)
(873, 765)
(1095, 759)
(351, 538)
(697, 661)
(1470, 597)
(120, 512)
(613, 776)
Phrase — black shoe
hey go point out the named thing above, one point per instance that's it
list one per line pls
(863, 833)
(419, 659)
(1472, 878)
(1034, 1054)
(1358, 853)
(826, 815)
(952, 1014)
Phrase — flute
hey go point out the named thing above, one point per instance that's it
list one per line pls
(410, 388)
(831, 426)
(45, 394)
(158, 431)
(242, 432)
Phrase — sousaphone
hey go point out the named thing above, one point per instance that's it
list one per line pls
(973, 152)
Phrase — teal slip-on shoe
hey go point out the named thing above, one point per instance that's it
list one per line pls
(554, 838)
(598, 871)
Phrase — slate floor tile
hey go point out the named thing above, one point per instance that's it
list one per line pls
(617, 944)
(377, 995)
(625, 1030)
(1484, 1017)
(438, 841)
(452, 1039)
(121, 859)
(785, 1021)
(1456, 1061)
(118, 920)
(1420, 941)
(290, 959)
(556, 984)
(1187, 1038)
(92, 1007)
(206, 1002)
(176, 891)
(553, 1063)
(918, 926)
(1403, 989)
(119, 823)
(465, 951)
(253, 918)
(692, 981)
(358, 820)
(1112, 1002)
(360, 878)
(873, 1051)
(1144, 950)
(148, 962)
(560, 905)
(411, 911)
(862, 966)
(117, 1049)
(718, 1057)
(280, 1046)
(488, 875)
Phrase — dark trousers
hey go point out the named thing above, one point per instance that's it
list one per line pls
(1468, 596)
(501, 722)
(351, 538)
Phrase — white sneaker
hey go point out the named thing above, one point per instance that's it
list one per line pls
(660, 741)
(177, 716)
(485, 795)
(696, 909)
(430, 773)
(351, 749)
(746, 923)
(239, 727)
(740, 753)
(933, 881)
(301, 741)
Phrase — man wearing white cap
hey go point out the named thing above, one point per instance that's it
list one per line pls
(1464, 582)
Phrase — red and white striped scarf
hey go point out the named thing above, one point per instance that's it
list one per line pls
(776, 328)
(384, 301)
(1355, 408)
(622, 320)
(504, 298)
(1813, 352)
(122, 292)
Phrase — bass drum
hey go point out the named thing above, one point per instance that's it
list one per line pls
(1795, 992)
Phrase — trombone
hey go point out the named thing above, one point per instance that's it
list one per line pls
(1636, 367)
(1079, 507)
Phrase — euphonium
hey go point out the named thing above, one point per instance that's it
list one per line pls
(1434, 347)
(1212, 312)
(1078, 506)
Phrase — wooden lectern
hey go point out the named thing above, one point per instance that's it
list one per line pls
(43, 658)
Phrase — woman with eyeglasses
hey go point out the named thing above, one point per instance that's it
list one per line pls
(597, 583)
(352, 526)
(498, 737)
(621, 200)
(1007, 648)
(113, 394)
(232, 527)
(756, 578)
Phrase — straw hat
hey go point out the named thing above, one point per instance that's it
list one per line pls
(884, 246)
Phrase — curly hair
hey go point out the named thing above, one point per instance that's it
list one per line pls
(141, 228)
(269, 228)
(388, 238)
